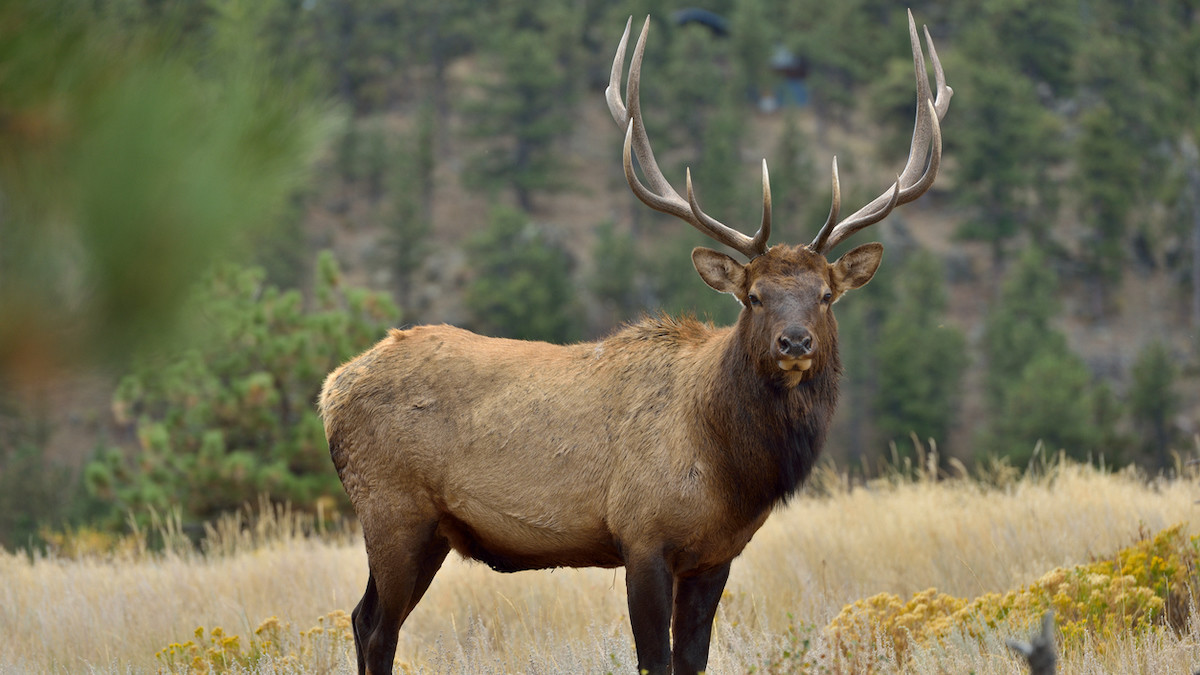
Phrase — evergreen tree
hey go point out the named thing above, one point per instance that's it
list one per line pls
(719, 176)
(679, 290)
(752, 33)
(1041, 39)
(230, 416)
(525, 107)
(1005, 143)
(614, 280)
(1153, 401)
(1019, 327)
(692, 90)
(920, 359)
(854, 437)
(1107, 167)
(409, 215)
(792, 179)
(843, 44)
(1051, 400)
(522, 288)
(1037, 389)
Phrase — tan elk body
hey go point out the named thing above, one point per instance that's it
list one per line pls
(661, 448)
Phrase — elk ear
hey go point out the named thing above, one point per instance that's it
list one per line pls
(720, 271)
(855, 268)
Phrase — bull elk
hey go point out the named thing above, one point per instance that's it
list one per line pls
(661, 448)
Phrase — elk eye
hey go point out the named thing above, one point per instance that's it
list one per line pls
(754, 301)
(827, 298)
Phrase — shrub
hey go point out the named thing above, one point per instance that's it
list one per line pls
(320, 649)
(233, 415)
(1146, 585)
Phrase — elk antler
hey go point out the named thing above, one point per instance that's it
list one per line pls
(660, 196)
(923, 160)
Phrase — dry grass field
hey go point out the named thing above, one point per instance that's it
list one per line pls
(260, 588)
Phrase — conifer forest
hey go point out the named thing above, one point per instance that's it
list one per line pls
(206, 206)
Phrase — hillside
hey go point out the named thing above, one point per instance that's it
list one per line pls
(168, 217)
(1150, 304)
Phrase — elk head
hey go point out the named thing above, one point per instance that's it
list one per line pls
(786, 291)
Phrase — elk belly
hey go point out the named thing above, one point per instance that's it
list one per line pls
(511, 534)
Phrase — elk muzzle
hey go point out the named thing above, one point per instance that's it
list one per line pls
(795, 348)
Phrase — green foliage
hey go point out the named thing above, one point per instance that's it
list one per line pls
(232, 415)
(1148, 585)
(1153, 400)
(860, 316)
(1038, 390)
(124, 169)
(679, 290)
(1019, 327)
(1005, 142)
(920, 359)
(704, 110)
(32, 494)
(752, 32)
(691, 89)
(522, 287)
(1041, 39)
(615, 278)
(1052, 401)
(1108, 189)
(523, 109)
(793, 199)
(839, 63)
(410, 214)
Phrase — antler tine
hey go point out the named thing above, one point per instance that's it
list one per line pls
(660, 196)
(924, 155)
(944, 93)
(818, 244)
(764, 228)
(612, 93)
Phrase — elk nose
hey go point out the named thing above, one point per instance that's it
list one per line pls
(796, 342)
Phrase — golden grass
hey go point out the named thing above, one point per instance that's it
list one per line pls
(114, 612)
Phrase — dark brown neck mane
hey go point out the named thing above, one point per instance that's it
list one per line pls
(764, 438)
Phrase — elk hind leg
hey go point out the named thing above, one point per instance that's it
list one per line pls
(401, 571)
(362, 620)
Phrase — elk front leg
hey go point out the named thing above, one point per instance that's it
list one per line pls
(696, 599)
(650, 587)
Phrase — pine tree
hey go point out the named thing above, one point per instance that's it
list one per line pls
(792, 173)
(1050, 401)
(1153, 401)
(409, 216)
(920, 359)
(1005, 142)
(691, 91)
(1019, 326)
(751, 30)
(228, 416)
(523, 287)
(1037, 389)
(1107, 166)
(615, 280)
(524, 108)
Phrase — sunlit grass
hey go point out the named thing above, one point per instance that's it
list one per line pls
(116, 609)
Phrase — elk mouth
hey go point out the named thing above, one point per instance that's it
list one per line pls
(795, 365)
